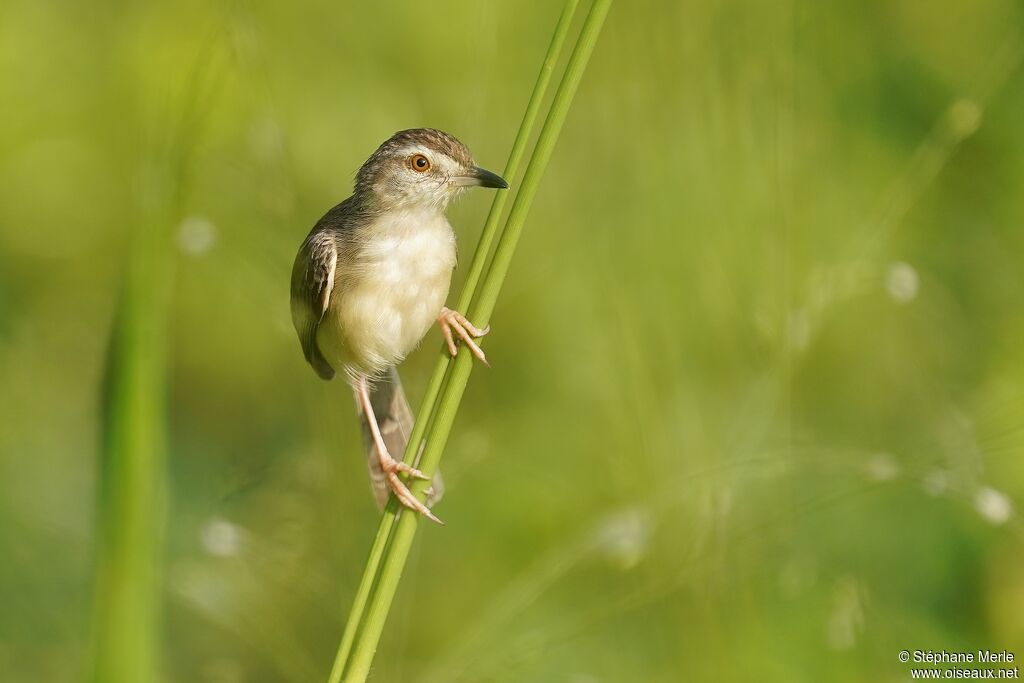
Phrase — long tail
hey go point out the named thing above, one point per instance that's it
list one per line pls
(395, 419)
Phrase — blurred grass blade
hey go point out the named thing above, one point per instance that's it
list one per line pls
(396, 553)
(132, 492)
(436, 381)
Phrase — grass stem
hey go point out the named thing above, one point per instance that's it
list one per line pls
(394, 551)
(437, 378)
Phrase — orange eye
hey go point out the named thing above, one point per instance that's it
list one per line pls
(419, 163)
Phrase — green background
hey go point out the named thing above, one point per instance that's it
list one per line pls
(756, 410)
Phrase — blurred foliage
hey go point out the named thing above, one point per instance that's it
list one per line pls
(757, 403)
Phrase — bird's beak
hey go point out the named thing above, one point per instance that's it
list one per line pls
(479, 177)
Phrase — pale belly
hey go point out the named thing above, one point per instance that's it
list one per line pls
(387, 298)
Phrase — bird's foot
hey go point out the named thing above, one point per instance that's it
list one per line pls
(392, 468)
(453, 321)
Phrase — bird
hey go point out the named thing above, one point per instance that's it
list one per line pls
(372, 278)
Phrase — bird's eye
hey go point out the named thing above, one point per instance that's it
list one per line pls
(419, 163)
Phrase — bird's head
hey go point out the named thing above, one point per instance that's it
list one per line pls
(422, 166)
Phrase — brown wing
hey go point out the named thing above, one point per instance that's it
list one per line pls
(312, 284)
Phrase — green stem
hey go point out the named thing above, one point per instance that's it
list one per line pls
(484, 305)
(437, 378)
(490, 230)
(394, 559)
(131, 495)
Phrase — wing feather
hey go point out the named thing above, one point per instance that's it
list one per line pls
(312, 285)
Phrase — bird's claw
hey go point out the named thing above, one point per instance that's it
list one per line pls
(391, 469)
(466, 331)
(409, 469)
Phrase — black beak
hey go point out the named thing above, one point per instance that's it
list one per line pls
(482, 178)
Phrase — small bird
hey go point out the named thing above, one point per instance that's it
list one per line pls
(372, 277)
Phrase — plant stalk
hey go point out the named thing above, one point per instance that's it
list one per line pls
(436, 382)
(397, 551)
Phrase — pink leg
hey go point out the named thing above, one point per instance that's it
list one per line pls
(388, 464)
(467, 332)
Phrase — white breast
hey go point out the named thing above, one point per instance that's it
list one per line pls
(389, 294)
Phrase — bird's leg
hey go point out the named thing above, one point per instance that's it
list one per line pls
(450, 320)
(388, 464)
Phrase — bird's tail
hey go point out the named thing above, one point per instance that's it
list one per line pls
(395, 418)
